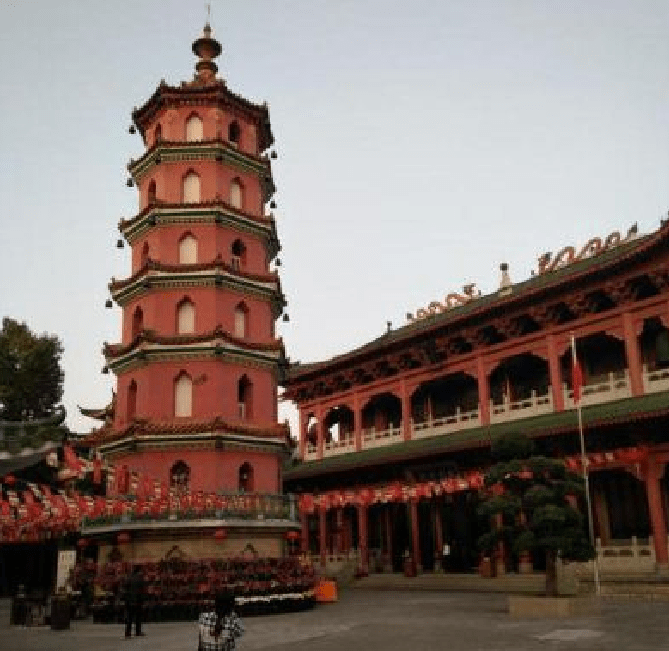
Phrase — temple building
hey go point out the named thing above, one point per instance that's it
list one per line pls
(395, 436)
(194, 416)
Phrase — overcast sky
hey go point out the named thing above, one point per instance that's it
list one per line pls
(420, 144)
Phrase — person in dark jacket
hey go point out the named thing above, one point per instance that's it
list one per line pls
(133, 596)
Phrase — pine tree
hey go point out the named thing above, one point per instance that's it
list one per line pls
(535, 498)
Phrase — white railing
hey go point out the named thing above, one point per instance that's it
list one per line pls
(654, 381)
(626, 554)
(373, 439)
(437, 426)
(532, 406)
(608, 388)
(333, 448)
(311, 452)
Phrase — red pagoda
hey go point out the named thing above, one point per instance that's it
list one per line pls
(195, 411)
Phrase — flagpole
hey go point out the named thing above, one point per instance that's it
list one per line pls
(584, 465)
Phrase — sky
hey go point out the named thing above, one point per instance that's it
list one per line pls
(420, 145)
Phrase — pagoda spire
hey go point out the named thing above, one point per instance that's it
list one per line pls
(206, 49)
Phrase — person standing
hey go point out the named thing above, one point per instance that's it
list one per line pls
(219, 629)
(134, 600)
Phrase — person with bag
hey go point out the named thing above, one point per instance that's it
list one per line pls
(220, 629)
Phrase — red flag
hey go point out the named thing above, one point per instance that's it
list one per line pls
(576, 374)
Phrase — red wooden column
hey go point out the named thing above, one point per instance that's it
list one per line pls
(415, 536)
(601, 513)
(387, 519)
(303, 433)
(323, 533)
(304, 533)
(484, 392)
(339, 531)
(556, 377)
(657, 521)
(406, 410)
(319, 429)
(632, 353)
(357, 422)
(362, 539)
(438, 536)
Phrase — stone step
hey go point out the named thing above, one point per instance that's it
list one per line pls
(510, 583)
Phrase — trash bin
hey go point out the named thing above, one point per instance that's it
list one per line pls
(60, 612)
(19, 610)
(409, 566)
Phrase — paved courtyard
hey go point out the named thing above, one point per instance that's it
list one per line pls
(388, 621)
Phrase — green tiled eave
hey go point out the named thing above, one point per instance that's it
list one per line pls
(646, 406)
(266, 230)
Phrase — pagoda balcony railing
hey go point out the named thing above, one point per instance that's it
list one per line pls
(341, 446)
(243, 509)
(372, 438)
(656, 380)
(445, 424)
(525, 408)
(603, 388)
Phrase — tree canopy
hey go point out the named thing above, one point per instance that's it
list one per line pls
(534, 500)
(31, 378)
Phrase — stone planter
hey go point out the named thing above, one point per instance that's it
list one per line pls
(523, 606)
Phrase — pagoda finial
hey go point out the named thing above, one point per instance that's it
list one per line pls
(207, 49)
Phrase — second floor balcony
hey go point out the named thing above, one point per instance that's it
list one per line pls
(521, 387)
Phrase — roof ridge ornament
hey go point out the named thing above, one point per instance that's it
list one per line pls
(470, 292)
(594, 246)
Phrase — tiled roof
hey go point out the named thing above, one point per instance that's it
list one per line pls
(521, 293)
(629, 409)
(216, 263)
(148, 336)
(127, 223)
(140, 427)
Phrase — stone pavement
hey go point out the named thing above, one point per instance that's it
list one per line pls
(370, 620)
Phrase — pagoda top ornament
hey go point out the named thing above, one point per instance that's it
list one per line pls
(206, 49)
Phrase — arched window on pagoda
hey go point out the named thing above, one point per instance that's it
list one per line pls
(245, 478)
(131, 404)
(194, 130)
(191, 188)
(244, 398)
(188, 249)
(145, 254)
(238, 251)
(183, 396)
(180, 477)
(241, 320)
(157, 133)
(137, 321)
(185, 317)
(236, 194)
(234, 133)
(151, 194)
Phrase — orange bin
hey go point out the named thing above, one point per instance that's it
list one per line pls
(326, 591)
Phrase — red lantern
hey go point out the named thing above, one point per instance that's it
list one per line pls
(220, 535)
(10, 480)
(292, 535)
(123, 538)
(82, 543)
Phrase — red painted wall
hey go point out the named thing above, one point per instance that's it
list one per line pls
(214, 392)
(211, 240)
(211, 470)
